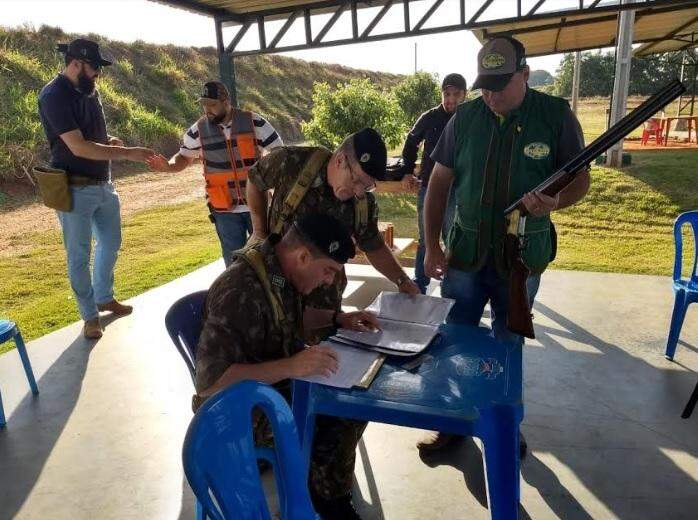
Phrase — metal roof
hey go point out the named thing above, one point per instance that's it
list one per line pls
(660, 29)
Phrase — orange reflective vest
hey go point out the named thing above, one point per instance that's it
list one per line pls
(227, 161)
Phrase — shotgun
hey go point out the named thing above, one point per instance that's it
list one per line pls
(519, 317)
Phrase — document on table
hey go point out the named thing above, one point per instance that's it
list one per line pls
(408, 324)
(357, 367)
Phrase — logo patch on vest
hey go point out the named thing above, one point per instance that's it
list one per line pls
(333, 247)
(536, 150)
(493, 60)
(278, 281)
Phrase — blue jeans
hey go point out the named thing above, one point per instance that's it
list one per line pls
(472, 290)
(233, 230)
(96, 211)
(420, 278)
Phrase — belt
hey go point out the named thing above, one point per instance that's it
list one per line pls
(78, 180)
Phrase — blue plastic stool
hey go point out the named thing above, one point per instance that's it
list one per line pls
(8, 331)
(220, 457)
(685, 290)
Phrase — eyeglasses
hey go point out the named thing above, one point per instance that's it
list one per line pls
(357, 181)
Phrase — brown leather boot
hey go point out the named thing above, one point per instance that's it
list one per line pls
(92, 329)
(434, 441)
(117, 308)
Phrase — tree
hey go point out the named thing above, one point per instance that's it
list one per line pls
(597, 70)
(540, 78)
(348, 108)
(416, 94)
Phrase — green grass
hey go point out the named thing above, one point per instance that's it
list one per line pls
(624, 225)
(157, 248)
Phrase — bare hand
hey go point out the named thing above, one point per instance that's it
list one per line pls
(115, 141)
(158, 163)
(139, 154)
(538, 204)
(411, 183)
(363, 321)
(409, 287)
(435, 263)
(318, 360)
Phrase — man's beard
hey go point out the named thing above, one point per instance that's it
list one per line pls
(217, 119)
(86, 85)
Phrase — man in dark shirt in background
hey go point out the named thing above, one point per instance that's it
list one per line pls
(428, 128)
(72, 116)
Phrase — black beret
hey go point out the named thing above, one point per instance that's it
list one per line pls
(327, 234)
(371, 153)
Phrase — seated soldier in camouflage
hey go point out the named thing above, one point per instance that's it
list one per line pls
(307, 179)
(253, 324)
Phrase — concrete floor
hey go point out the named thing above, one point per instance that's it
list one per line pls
(103, 439)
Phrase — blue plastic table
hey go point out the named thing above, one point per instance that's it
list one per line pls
(470, 385)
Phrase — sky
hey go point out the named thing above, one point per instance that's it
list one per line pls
(129, 20)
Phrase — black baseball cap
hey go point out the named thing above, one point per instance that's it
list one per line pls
(86, 50)
(454, 80)
(214, 90)
(370, 152)
(497, 62)
(327, 234)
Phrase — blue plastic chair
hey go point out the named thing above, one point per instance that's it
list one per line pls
(184, 322)
(220, 458)
(8, 331)
(685, 290)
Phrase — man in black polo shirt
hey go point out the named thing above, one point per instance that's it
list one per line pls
(72, 117)
(429, 128)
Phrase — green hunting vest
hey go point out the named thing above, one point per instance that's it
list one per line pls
(497, 160)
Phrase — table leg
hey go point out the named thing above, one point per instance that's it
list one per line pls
(501, 442)
(305, 420)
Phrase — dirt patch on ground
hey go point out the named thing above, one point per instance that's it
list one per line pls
(137, 192)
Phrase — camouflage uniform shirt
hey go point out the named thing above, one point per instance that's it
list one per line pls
(279, 171)
(238, 320)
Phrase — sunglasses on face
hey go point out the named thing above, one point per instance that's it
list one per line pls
(95, 67)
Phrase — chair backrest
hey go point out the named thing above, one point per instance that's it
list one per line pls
(184, 322)
(220, 460)
(690, 217)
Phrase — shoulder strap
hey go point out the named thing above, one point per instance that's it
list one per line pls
(300, 188)
(256, 260)
(360, 215)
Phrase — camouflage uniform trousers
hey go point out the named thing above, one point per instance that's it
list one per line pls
(334, 450)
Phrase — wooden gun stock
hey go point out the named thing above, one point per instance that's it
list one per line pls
(519, 317)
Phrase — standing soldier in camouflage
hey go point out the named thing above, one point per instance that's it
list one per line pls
(313, 179)
(253, 325)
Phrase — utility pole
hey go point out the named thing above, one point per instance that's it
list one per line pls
(415, 57)
(575, 80)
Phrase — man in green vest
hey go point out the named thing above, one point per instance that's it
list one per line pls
(495, 150)
(253, 329)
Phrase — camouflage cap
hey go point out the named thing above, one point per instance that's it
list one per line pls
(327, 234)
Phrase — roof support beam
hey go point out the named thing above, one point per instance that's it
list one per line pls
(535, 8)
(427, 15)
(330, 23)
(284, 29)
(238, 36)
(406, 8)
(376, 19)
(482, 9)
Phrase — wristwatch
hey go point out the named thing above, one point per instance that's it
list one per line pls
(401, 279)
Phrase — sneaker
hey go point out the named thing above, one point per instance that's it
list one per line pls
(92, 329)
(115, 307)
(435, 441)
(340, 508)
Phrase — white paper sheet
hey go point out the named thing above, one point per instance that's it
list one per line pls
(397, 336)
(354, 363)
(414, 309)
